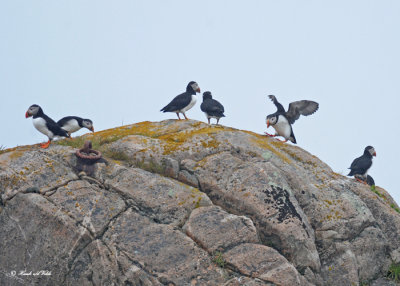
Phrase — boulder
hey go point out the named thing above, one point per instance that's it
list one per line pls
(187, 203)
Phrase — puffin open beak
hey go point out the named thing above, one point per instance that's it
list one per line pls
(267, 123)
(27, 115)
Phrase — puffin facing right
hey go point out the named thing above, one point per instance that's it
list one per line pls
(360, 166)
(72, 124)
(44, 124)
(184, 101)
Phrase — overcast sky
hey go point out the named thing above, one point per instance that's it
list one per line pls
(120, 62)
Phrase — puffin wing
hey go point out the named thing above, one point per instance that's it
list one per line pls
(218, 106)
(360, 165)
(301, 107)
(54, 127)
(212, 106)
(64, 120)
(179, 102)
(277, 104)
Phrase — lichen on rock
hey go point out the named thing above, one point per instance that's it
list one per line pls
(175, 195)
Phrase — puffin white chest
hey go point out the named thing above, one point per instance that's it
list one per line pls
(191, 104)
(71, 126)
(40, 124)
(282, 127)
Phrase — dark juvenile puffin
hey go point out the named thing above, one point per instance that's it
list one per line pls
(72, 124)
(44, 124)
(370, 181)
(282, 121)
(184, 101)
(360, 166)
(211, 107)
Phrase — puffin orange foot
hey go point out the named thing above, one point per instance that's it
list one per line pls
(45, 145)
(270, 135)
(281, 140)
(361, 181)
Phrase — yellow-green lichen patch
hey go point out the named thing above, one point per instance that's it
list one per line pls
(171, 135)
(103, 137)
(197, 203)
(11, 154)
(266, 143)
(295, 155)
(18, 151)
(174, 141)
(333, 208)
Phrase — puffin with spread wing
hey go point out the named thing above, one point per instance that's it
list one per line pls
(282, 120)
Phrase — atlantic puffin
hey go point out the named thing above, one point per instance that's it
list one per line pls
(44, 124)
(211, 107)
(360, 166)
(184, 101)
(282, 120)
(72, 124)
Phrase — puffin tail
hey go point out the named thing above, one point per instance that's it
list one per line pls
(165, 108)
(64, 133)
(292, 138)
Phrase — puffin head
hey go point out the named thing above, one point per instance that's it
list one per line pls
(193, 87)
(32, 110)
(207, 95)
(369, 150)
(271, 120)
(88, 124)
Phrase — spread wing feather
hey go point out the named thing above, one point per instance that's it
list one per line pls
(277, 104)
(302, 107)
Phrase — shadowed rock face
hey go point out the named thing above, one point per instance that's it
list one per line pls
(185, 203)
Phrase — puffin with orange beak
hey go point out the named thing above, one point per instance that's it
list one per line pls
(72, 124)
(184, 101)
(44, 124)
(282, 120)
(360, 166)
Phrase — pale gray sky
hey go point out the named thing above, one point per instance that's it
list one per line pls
(121, 61)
